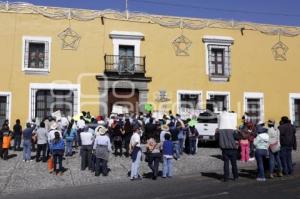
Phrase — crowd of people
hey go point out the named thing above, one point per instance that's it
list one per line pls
(165, 139)
(271, 146)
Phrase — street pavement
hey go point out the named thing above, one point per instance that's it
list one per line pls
(17, 177)
(192, 186)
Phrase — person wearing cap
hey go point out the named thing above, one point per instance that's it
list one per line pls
(274, 149)
(101, 148)
(164, 130)
(288, 142)
(53, 129)
(87, 139)
(136, 153)
(261, 143)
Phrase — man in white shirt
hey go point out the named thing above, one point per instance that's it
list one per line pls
(136, 153)
(87, 139)
(80, 127)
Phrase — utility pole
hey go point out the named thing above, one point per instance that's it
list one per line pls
(126, 7)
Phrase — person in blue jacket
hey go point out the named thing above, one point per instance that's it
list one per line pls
(70, 135)
(57, 148)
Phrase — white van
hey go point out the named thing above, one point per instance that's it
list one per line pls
(206, 126)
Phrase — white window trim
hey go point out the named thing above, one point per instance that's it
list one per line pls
(128, 39)
(9, 96)
(42, 40)
(214, 40)
(209, 93)
(51, 86)
(179, 92)
(255, 95)
(292, 97)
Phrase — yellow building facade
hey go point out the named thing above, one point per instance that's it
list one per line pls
(74, 60)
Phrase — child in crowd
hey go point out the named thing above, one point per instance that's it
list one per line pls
(167, 149)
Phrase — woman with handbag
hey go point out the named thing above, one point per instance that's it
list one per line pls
(274, 149)
(153, 149)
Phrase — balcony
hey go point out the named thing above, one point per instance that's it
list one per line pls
(116, 65)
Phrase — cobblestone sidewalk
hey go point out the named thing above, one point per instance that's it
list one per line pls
(17, 176)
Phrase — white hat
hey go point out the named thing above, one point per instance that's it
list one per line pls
(165, 127)
(260, 122)
(53, 125)
(101, 123)
(101, 130)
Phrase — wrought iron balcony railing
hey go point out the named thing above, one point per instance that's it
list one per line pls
(124, 65)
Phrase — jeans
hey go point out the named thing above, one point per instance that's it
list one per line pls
(135, 166)
(176, 149)
(17, 142)
(192, 146)
(41, 148)
(259, 155)
(286, 157)
(167, 167)
(58, 158)
(274, 158)
(181, 145)
(101, 167)
(69, 151)
(230, 154)
(244, 152)
(86, 156)
(27, 150)
(154, 163)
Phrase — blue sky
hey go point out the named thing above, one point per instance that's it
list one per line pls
(285, 12)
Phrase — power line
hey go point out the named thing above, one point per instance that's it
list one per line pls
(215, 9)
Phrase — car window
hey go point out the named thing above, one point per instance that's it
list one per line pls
(207, 118)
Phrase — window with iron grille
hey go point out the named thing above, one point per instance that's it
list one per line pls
(189, 101)
(218, 102)
(3, 109)
(49, 101)
(254, 109)
(189, 104)
(36, 58)
(296, 112)
(36, 54)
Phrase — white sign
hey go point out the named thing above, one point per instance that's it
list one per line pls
(117, 109)
(57, 115)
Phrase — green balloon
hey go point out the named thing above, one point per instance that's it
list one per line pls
(148, 107)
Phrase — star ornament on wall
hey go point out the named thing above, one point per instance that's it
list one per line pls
(70, 39)
(181, 46)
(279, 51)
